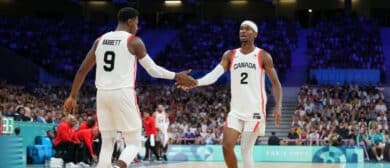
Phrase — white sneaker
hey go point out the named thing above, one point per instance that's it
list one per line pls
(83, 165)
(378, 158)
(70, 165)
(381, 157)
(56, 163)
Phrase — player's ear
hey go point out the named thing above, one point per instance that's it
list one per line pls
(129, 22)
(133, 21)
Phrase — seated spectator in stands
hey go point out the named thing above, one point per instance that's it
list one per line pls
(27, 116)
(217, 136)
(334, 139)
(380, 106)
(41, 116)
(198, 137)
(189, 137)
(293, 135)
(377, 140)
(209, 137)
(85, 138)
(65, 142)
(362, 140)
(382, 121)
(314, 137)
(273, 139)
(18, 115)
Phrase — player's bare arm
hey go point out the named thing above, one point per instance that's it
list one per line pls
(268, 66)
(88, 62)
(137, 47)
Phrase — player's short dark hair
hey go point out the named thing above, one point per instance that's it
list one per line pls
(127, 13)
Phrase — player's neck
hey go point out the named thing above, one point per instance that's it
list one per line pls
(121, 28)
(247, 47)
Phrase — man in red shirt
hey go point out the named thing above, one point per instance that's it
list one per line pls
(64, 142)
(86, 137)
(87, 124)
(150, 133)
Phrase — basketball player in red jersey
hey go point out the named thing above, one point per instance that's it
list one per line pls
(116, 54)
(248, 66)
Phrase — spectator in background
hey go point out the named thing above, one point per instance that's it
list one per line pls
(85, 137)
(314, 137)
(293, 137)
(150, 133)
(273, 139)
(362, 140)
(89, 123)
(188, 136)
(18, 115)
(41, 116)
(380, 106)
(65, 142)
(377, 139)
(27, 116)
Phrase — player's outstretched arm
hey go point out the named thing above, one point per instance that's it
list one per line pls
(137, 47)
(216, 73)
(276, 86)
(88, 62)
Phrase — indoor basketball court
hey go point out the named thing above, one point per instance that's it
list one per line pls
(267, 165)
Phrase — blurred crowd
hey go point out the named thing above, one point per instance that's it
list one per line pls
(193, 114)
(205, 41)
(197, 116)
(346, 42)
(59, 45)
(42, 103)
(330, 114)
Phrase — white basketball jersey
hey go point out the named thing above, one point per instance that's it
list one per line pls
(116, 67)
(248, 96)
(162, 120)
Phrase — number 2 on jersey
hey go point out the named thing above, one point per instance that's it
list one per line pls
(244, 75)
(109, 60)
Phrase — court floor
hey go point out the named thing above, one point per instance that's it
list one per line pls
(258, 165)
(266, 165)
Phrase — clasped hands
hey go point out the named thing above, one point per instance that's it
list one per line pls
(185, 81)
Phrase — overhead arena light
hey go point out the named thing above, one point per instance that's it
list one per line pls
(173, 2)
(238, 2)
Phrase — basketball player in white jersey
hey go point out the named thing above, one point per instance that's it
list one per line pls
(161, 117)
(116, 54)
(248, 66)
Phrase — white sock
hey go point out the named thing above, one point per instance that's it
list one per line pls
(133, 144)
(106, 150)
(248, 140)
(129, 154)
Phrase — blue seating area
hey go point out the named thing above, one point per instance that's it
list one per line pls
(340, 76)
